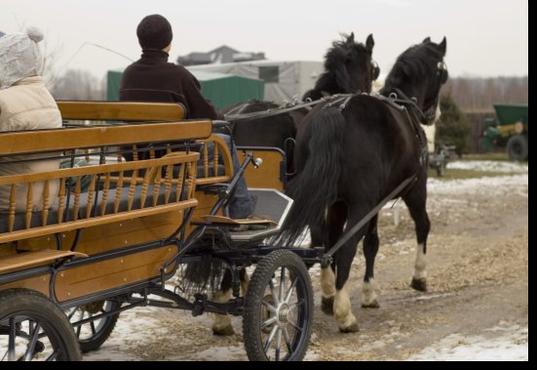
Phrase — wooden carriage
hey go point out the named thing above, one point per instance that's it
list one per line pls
(113, 218)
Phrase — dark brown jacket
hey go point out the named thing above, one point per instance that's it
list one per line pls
(153, 79)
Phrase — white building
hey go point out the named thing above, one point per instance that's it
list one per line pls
(284, 80)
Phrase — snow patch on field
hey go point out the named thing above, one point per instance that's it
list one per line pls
(498, 185)
(501, 343)
(489, 166)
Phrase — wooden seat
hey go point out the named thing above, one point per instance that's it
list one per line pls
(31, 259)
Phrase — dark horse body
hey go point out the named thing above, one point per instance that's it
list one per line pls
(348, 69)
(349, 158)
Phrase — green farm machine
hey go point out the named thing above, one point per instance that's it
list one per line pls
(509, 127)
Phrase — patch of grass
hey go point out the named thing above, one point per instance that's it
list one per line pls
(457, 174)
(497, 156)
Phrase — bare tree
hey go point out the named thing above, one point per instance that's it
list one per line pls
(479, 94)
(78, 85)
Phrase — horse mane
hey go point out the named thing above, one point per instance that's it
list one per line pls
(412, 64)
(335, 78)
(255, 105)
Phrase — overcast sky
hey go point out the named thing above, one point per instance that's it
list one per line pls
(485, 37)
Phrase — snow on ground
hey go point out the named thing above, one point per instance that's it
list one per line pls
(509, 343)
(495, 185)
(490, 166)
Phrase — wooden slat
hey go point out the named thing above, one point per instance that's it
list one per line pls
(145, 187)
(96, 221)
(46, 205)
(192, 172)
(21, 142)
(156, 186)
(29, 205)
(31, 259)
(12, 208)
(91, 197)
(98, 169)
(121, 111)
(104, 197)
(61, 196)
(168, 183)
(132, 190)
(180, 182)
(206, 159)
(119, 192)
(215, 160)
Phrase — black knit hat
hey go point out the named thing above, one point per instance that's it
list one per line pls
(154, 32)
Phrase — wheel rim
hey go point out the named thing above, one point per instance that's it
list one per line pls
(284, 316)
(30, 338)
(92, 330)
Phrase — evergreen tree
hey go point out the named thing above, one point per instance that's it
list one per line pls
(453, 127)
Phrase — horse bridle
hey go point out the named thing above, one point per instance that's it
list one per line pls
(442, 72)
(442, 75)
(375, 71)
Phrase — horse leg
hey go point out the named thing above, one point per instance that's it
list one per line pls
(245, 280)
(335, 219)
(342, 304)
(222, 323)
(416, 203)
(370, 247)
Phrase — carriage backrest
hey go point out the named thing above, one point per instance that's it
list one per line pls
(214, 165)
(121, 111)
(115, 192)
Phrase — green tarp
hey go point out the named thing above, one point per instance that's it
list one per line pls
(221, 89)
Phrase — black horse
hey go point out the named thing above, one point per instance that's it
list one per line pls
(349, 68)
(350, 156)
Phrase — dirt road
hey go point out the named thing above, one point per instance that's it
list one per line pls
(476, 306)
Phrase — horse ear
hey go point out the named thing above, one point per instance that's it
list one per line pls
(426, 40)
(350, 39)
(369, 43)
(443, 46)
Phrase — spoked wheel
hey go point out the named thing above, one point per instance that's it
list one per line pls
(278, 312)
(92, 334)
(33, 328)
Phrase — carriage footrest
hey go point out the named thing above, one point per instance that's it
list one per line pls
(25, 260)
(271, 210)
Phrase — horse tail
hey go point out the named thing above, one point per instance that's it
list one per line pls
(315, 186)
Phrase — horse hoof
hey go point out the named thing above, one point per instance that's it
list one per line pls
(419, 285)
(226, 331)
(373, 304)
(350, 329)
(327, 305)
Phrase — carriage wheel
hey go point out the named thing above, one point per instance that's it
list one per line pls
(33, 328)
(93, 334)
(278, 312)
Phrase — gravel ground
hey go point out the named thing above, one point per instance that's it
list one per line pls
(476, 307)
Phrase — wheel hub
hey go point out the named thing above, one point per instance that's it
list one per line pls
(283, 314)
